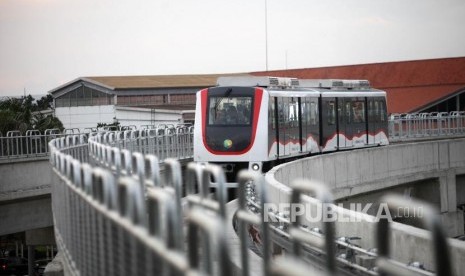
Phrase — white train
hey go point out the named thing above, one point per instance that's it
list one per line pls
(259, 122)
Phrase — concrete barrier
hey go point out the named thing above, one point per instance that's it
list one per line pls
(356, 172)
(25, 178)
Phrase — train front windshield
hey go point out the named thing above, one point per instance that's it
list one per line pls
(230, 111)
(229, 119)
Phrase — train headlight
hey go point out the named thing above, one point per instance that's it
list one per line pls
(227, 143)
(255, 167)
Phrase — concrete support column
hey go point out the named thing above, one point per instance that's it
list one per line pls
(448, 191)
(31, 258)
(452, 219)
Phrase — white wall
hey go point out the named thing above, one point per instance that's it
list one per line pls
(143, 116)
(85, 116)
(89, 116)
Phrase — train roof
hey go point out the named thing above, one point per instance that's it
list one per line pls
(353, 93)
(293, 87)
(326, 93)
(286, 83)
(294, 93)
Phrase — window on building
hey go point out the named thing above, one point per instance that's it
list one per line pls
(84, 96)
(182, 99)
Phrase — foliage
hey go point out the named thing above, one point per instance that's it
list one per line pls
(22, 114)
(44, 103)
(115, 124)
(43, 122)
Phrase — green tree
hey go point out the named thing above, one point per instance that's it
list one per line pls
(45, 102)
(17, 114)
(43, 122)
(114, 125)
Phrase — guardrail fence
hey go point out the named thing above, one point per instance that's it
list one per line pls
(31, 144)
(164, 142)
(176, 142)
(130, 221)
(420, 125)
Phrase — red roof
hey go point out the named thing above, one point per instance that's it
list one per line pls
(410, 85)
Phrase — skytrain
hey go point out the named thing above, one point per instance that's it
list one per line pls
(259, 122)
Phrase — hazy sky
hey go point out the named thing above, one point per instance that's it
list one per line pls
(45, 43)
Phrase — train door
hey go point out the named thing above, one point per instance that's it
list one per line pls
(342, 122)
(310, 123)
(372, 121)
(358, 123)
(273, 141)
(304, 118)
(328, 124)
(381, 118)
(383, 125)
(293, 116)
(313, 129)
(349, 121)
(283, 126)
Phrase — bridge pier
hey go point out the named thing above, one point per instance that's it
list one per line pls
(35, 237)
(448, 190)
(451, 217)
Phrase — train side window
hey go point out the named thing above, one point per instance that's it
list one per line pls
(313, 113)
(331, 113)
(281, 111)
(370, 110)
(382, 111)
(358, 111)
(305, 111)
(376, 112)
(286, 111)
(293, 115)
(271, 113)
(348, 113)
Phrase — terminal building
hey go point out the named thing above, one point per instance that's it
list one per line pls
(435, 85)
(129, 100)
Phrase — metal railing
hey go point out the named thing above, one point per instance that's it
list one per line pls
(163, 141)
(128, 225)
(112, 150)
(31, 144)
(423, 125)
(133, 222)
